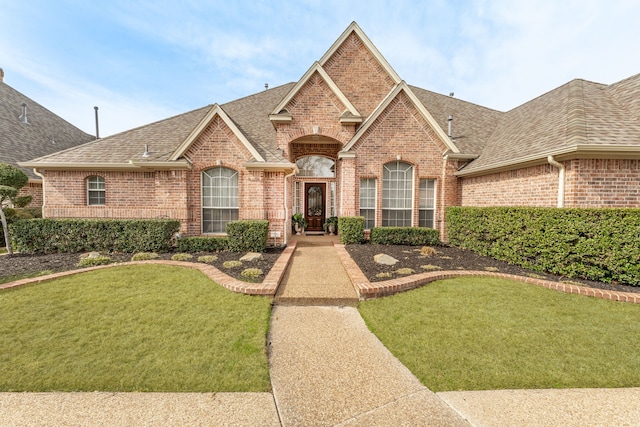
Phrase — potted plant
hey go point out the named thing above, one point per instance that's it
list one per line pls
(299, 223)
(331, 225)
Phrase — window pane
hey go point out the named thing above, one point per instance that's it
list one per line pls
(316, 166)
(219, 199)
(397, 192)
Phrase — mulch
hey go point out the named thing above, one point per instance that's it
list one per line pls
(451, 258)
(22, 264)
(409, 257)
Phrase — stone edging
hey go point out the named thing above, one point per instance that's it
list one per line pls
(268, 286)
(367, 290)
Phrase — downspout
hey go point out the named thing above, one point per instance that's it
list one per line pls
(560, 167)
(286, 210)
(35, 171)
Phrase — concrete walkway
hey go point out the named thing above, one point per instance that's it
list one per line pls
(316, 276)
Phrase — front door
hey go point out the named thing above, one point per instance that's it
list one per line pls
(315, 203)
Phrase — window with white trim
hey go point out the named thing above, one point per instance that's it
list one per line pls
(426, 213)
(219, 199)
(368, 202)
(95, 190)
(397, 194)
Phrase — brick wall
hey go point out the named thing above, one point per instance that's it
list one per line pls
(33, 189)
(594, 183)
(128, 195)
(532, 186)
(589, 183)
(399, 131)
(359, 75)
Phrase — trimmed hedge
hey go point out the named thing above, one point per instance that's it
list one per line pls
(85, 235)
(203, 244)
(351, 229)
(247, 235)
(414, 236)
(594, 244)
(16, 214)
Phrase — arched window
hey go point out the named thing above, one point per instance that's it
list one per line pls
(397, 194)
(95, 190)
(316, 166)
(219, 199)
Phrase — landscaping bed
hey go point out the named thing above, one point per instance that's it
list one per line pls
(27, 265)
(449, 258)
(409, 257)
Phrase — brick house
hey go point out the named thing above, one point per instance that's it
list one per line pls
(352, 138)
(28, 130)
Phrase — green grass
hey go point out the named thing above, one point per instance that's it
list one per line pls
(134, 328)
(484, 333)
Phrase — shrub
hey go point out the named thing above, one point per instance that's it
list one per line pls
(251, 273)
(405, 271)
(231, 264)
(351, 229)
(91, 261)
(247, 236)
(207, 258)
(85, 235)
(430, 267)
(594, 244)
(427, 251)
(203, 244)
(182, 257)
(144, 256)
(413, 236)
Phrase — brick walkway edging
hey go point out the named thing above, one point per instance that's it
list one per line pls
(268, 286)
(367, 290)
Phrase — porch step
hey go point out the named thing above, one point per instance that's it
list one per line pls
(314, 233)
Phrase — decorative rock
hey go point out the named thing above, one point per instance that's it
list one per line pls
(251, 256)
(385, 259)
(91, 255)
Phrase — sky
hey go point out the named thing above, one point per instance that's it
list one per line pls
(141, 61)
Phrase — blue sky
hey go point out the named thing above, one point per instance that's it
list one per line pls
(142, 61)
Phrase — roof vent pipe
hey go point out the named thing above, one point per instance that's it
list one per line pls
(23, 116)
(97, 130)
(146, 151)
(450, 120)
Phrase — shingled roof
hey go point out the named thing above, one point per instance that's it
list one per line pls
(44, 132)
(162, 138)
(580, 116)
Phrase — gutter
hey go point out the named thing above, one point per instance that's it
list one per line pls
(561, 179)
(35, 171)
(286, 210)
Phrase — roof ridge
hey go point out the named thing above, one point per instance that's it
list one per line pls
(576, 115)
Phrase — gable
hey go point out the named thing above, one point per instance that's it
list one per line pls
(215, 112)
(217, 142)
(359, 70)
(315, 103)
(401, 125)
(414, 110)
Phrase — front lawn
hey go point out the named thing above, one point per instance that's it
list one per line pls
(134, 328)
(484, 333)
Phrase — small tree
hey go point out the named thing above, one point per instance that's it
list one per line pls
(12, 180)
